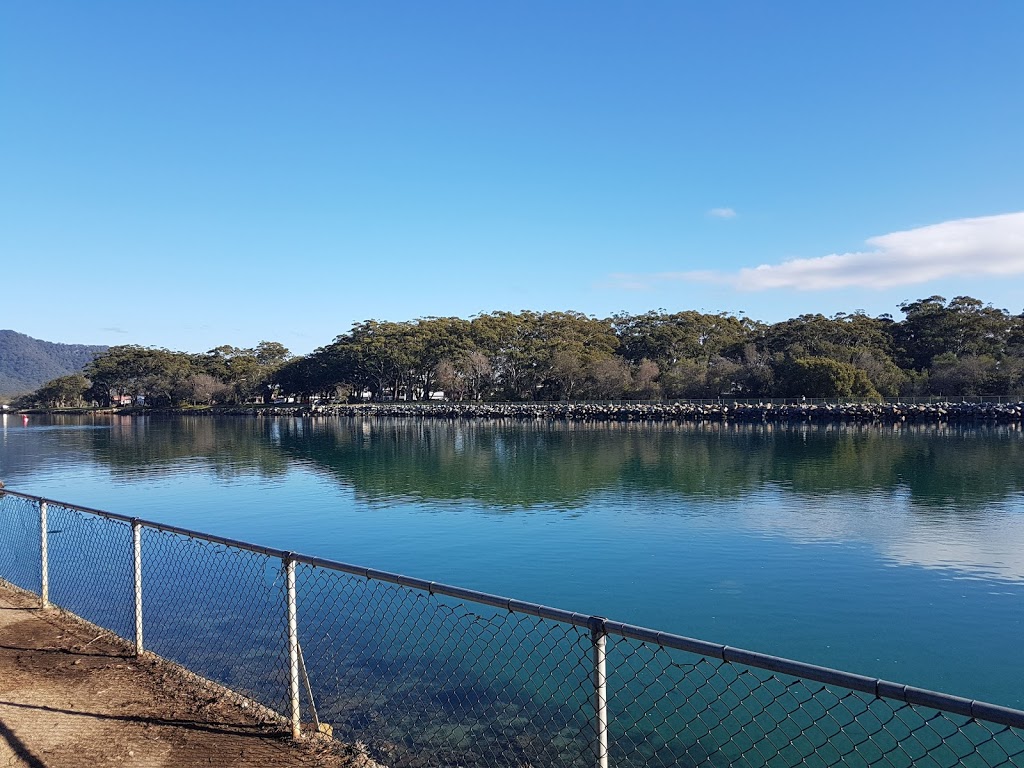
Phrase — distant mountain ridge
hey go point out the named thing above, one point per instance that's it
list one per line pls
(27, 363)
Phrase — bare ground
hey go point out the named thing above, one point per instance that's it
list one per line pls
(71, 695)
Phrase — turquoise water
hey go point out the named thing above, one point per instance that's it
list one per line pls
(892, 552)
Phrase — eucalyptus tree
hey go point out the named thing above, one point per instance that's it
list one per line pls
(247, 372)
(436, 340)
(323, 373)
(511, 342)
(118, 372)
(696, 353)
(856, 340)
(609, 378)
(467, 375)
(157, 376)
(966, 375)
(963, 326)
(571, 347)
(667, 339)
(62, 392)
(379, 354)
(834, 336)
(827, 377)
(646, 385)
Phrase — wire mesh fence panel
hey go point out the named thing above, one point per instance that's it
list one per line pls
(428, 680)
(671, 708)
(425, 680)
(20, 562)
(90, 565)
(219, 611)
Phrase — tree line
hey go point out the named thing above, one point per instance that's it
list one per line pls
(939, 347)
(135, 375)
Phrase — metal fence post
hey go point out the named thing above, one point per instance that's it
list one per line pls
(599, 639)
(137, 559)
(44, 558)
(293, 648)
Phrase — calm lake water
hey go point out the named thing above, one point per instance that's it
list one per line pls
(892, 552)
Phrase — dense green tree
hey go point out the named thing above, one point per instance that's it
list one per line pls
(962, 326)
(667, 339)
(966, 375)
(435, 339)
(379, 356)
(572, 346)
(271, 354)
(825, 377)
(856, 340)
(756, 374)
(162, 378)
(156, 375)
(62, 392)
(247, 373)
(817, 335)
(319, 374)
(511, 343)
(541, 355)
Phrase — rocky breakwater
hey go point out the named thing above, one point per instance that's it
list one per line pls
(885, 413)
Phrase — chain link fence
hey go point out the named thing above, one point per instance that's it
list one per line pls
(425, 674)
(19, 542)
(218, 611)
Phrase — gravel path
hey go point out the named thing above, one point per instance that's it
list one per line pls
(73, 696)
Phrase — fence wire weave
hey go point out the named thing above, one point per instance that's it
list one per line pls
(91, 567)
(426, 680)
(19, 543)
(672, 708)
(217, 611)
(427, 675)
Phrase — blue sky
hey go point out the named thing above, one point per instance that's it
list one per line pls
(196, 173)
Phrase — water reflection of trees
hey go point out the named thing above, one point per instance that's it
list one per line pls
(515, 465)
(134, 447)
(533, 464)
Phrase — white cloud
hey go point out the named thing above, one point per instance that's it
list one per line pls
(978, 247)
(894, 526)
(722, 213)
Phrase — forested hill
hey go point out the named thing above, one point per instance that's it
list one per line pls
(27, 363)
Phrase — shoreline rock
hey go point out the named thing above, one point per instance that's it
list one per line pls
(884, 413)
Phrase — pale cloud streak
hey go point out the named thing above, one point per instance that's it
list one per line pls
(987, 246)
(723, 213)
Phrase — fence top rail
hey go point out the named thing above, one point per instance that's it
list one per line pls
(212, 538)
(945, 702)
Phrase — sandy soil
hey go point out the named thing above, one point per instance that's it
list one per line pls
(71, 695)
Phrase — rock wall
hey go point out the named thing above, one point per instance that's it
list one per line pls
(888, 413)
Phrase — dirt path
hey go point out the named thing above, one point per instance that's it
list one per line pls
(71, 696)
